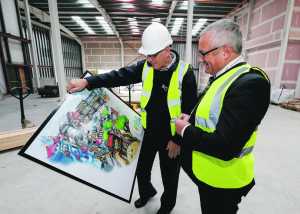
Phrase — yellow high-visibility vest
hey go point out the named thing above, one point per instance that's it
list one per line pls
(173, 96)
(215, 172)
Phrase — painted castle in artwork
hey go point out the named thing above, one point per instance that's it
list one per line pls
(93, 134)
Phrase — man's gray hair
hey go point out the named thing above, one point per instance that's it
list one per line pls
(225, 32)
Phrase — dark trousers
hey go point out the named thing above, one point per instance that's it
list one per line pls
(153, 143)
(214, 200)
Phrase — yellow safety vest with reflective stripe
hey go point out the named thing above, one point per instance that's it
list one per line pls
(173, 96)
(215, 172)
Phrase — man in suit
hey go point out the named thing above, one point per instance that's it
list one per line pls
(219, 135)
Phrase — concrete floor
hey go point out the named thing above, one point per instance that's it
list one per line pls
(36, 109)
(26, 187)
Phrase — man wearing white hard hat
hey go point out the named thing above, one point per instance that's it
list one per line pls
(169, 89)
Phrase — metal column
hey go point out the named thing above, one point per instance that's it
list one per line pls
(297, 90)
(32, 46)
(82, 57)
(56, 44)
(284, 43)
(189, 36)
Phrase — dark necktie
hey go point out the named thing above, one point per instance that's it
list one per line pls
(211, 79)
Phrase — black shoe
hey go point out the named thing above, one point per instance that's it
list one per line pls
(143, 201)
(163, 210)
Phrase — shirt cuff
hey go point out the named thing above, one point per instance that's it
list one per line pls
(182, 131)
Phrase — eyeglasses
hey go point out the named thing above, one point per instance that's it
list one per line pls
(155, 55)
(203, 54)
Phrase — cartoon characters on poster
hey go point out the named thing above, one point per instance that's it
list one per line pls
(93, 134)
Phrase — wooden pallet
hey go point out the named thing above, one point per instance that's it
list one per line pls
(14, 139)
(292, 105)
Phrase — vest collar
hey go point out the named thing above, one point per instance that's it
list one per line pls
(229, 68)
(230, 65)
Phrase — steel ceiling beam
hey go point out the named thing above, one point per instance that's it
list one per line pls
(107, 18)
(44, 17)
(116, 14)
(109, 21)
(172, 8)
(58, 62)
(229, 2)
(189, 36)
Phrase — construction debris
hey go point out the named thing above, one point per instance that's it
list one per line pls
(14, 139)
(292, 105)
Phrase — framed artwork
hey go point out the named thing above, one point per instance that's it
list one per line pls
(93, 137)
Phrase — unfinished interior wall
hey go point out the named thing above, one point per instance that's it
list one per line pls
(291, 66)
(273, 39)
(265, 35)
(294, 37)
(105, 54)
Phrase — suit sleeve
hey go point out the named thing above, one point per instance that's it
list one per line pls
(189, 97)
(244, 106)
(124, 76)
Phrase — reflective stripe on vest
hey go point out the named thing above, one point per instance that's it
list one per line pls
(215, 107)
(215, 172)
(174, 93)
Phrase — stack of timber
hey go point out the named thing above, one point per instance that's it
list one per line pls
(14, 139)
(292, 105)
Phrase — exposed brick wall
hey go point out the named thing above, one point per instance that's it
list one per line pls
(264, 36)
(272, 9)
(266, 33)
(292, 65)
(105, 53)
(242, 21)
(291, 71)
(266, 24)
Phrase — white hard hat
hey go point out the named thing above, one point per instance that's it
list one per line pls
(155, 38)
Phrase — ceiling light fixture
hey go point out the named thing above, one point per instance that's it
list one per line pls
(183, 5)
(177, 25)
(156, 20)
(85, 3)
(128, 6)
(104, 25)
(157, 2)
(83, 24)
(126, 0)
(200, 23)
(133, 25)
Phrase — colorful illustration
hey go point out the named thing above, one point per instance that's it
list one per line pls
(93, 136)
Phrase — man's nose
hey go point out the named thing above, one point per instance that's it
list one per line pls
(149, 59)
(201, 59)
(149, 62)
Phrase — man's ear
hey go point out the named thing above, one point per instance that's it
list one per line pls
(227, 52)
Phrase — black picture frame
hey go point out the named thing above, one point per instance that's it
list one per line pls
(25, 152)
